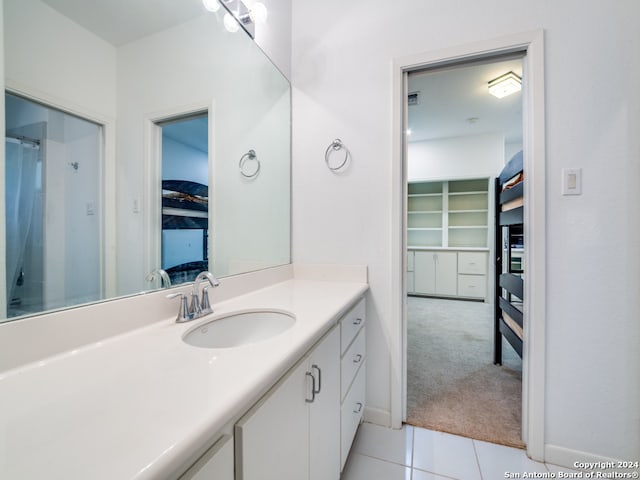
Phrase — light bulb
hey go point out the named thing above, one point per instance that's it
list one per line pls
(258, 13)
(211, 5)
(230, 23)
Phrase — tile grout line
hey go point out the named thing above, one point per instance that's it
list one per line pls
(413, 447)
(475, 452)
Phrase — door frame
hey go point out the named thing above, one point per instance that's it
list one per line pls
(153, 176)
(107, 181)
(533, 385)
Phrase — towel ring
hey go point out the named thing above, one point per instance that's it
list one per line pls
(336, 146)
(247, 173)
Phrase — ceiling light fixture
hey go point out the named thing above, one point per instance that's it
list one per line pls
(505, 85)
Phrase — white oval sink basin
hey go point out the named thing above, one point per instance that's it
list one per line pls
(239, 329)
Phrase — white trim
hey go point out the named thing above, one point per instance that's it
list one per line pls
(377, 416)
(566, 457)
(153, 176)
(534, 147)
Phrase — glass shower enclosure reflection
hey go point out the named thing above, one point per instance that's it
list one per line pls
(52, 208)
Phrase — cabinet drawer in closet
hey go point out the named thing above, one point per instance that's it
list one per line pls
(474, 263)
(474, 286)
(351, 361)
(350, 325)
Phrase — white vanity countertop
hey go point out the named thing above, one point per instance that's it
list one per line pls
(138, 405)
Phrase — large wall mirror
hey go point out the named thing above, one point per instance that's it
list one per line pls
(142, 137)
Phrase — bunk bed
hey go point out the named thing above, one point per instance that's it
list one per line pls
(509, 253)
(185, 205)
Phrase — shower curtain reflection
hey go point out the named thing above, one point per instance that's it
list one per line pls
(23, 228)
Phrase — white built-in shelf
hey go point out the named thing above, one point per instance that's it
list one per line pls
(448, 213)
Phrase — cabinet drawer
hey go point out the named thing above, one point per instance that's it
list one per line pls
(474, 263)
(350, 325)
(351, 362)
(474, 286)
(351, 414)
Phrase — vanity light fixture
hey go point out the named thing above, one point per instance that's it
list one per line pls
(258, 12)
(505, 85)
(211, 5)
(238, 14)
(230, 23)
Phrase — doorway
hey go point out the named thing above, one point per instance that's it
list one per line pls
(54, 208)
(184, 248)
(459, 137)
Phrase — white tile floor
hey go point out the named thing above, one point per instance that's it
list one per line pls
(414, 453)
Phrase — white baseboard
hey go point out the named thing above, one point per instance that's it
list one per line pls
(566, 457)
(377, 416)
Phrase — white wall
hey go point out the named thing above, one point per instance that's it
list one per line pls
(342, 78)
(448, 158)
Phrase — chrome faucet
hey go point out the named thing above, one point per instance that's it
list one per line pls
(202, 306)
(197, 307)
(165, 281)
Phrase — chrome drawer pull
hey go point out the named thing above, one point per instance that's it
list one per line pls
(357, 359)
(313, 388)
(316, 367)
(357, 321)
(358, 408)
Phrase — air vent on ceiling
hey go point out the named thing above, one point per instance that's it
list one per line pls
(412, 98)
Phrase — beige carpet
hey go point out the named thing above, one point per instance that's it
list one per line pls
(452, 384)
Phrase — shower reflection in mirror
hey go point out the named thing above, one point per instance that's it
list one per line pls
(53, 208)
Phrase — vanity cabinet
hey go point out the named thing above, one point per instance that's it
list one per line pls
(352, 372)
(293, 432)
(215, 464)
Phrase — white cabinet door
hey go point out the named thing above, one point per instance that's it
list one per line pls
(294, 431)
(272, 440)
(324, 411)
(215, 464)
(424, 272)
(446, 273)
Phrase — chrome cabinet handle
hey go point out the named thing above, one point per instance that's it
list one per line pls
(357, 321)
(358, 408)
(316, 367)
(357, 359)
(313, 388)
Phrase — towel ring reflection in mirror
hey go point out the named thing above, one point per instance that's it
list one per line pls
(245, 168)
(336, 146)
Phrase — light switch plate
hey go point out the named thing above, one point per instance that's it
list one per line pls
(571, 181)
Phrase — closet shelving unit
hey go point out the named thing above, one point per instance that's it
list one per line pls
(509, 248)
(424, 221)
(447, 238)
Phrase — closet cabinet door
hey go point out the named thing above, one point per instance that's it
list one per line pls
(424, 272)
(446, 273)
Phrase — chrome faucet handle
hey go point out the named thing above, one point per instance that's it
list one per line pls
(194, 308)
(183, 312)
(204, 303)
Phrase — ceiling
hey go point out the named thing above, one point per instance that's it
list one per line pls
(122, 21)
(455, 101)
